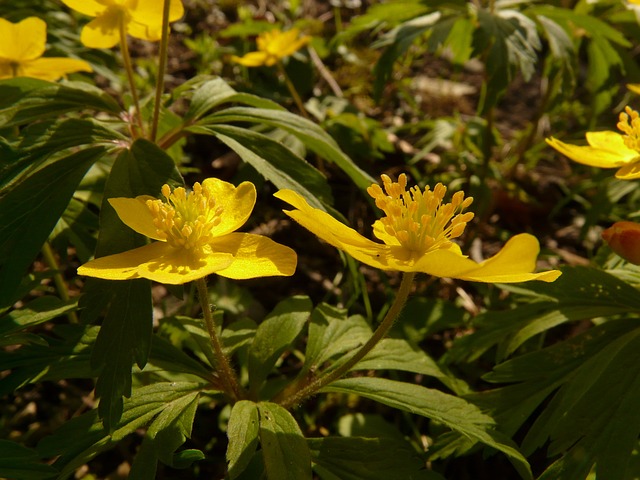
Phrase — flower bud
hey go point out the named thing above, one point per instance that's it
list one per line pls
(624, 239)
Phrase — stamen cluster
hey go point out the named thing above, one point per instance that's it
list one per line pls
(419, 219)
(186, 220)
(629, 124)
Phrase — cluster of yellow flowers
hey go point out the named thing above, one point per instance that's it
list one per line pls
(23, 43)
(195, 236)
(608, 149)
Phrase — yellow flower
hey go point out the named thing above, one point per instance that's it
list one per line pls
(273, 46)
(139, 18)
(416, 236)
(624, 239)
(21, 50)
(196, 237)
(609, 149)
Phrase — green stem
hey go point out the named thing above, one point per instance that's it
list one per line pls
(128, 67)
(227, 374)
(58, 280)
(162, 66)
(292, 89)
(382, 330)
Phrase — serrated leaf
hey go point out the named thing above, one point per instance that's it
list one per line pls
(242, 431)
(47, 141)
(580, 293)
(332, 333)
(82, 438)
(312, 135)
(357, 458)
(275, 162)
(284, 449)
(166, 433)
(30, 210)
(20, 462)
(595, 414)
(64, 355)
(275, 334)
(37, 311)
(454, 412)
(52, 99)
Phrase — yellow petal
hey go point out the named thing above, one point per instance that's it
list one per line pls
(236, 202)
(123, 266)
(24, 40)
(52, 68)
(344, 238)
(634, 87)
(135, 214)
(514, 263)
(629, 172)
(103, 31)
(599, 153)
(178, 266)
(287, 43)
(149, 12)
(255, 256)
(93, 8)
(251, 59)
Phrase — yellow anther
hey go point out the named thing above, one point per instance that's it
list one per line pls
(418, 219)
(186, 219)
(629, 124)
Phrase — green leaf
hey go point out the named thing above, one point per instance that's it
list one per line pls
(357, 458)
(82, 438)
(64, 355)
(214, 92)
(30, 210)
(284, 448)
(17, 461)
(454, 412)
(242, 431)
(399, 40)
(274, 335)
(166, 433)
(142, 170)
(47, 140)
(37, 311)
(580, 293)
(332, 333)
(275, 162)
(31, 101)
(171, 359)
(312, 135)
(594, 419)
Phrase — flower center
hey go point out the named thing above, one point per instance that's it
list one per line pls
(186, 219)
(419, 219)
(629, 124)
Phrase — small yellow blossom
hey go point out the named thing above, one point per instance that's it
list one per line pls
(609, 149)
(138, 18)
(624, 239)
(21, 47)
(273, 46)
(417, 233)
(196, 236)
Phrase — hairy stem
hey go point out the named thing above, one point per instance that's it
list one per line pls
(382, 330)
(128, 67)
(162, 66)
(227, 375)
